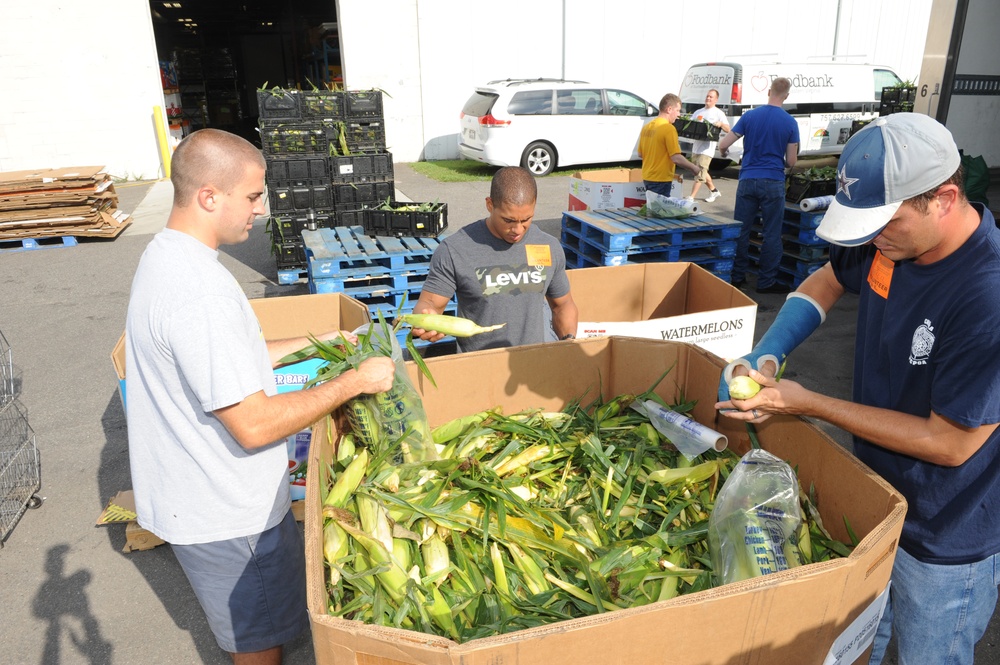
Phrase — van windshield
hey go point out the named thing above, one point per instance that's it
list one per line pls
(885, 79)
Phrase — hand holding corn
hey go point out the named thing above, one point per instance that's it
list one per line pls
(434, 327)
(376, 375)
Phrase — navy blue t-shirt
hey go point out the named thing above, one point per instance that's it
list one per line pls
(933, 344)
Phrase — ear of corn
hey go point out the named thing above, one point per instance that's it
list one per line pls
(532, 518)
(454, 326)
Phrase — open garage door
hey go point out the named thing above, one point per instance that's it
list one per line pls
(215, 54)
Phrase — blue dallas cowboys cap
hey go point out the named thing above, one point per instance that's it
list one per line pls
(892, 159)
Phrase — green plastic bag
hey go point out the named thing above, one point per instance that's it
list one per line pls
(977, 178)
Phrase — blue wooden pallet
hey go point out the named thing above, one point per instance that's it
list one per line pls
(346, 251)
(805, 220)
(624, 229)
(586, 254)
(701, 256)
(789, 263)
(648, 244)
(408, 281)
(25, 244)
(292, 275)
(794, 232)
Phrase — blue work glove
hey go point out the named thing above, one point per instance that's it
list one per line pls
(798, 318)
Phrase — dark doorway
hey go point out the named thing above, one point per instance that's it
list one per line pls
(215, 54)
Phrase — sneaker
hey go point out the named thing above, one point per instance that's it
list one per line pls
(714, 195)
(689, 198)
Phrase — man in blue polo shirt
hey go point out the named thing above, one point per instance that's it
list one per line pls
(925, 263)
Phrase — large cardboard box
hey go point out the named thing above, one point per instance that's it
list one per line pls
(611, 188)
(280, 318)
(797, 616)
(677, 302)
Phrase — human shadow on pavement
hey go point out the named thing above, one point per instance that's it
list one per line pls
(63, 597)
(159, 566)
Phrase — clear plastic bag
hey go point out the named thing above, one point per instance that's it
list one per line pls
(396, 415)
(753, 529)
(667, 207)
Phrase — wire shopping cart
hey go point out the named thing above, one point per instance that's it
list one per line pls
(20, 470)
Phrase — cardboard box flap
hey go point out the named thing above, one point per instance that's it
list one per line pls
(610, 175)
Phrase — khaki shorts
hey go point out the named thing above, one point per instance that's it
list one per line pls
(702, 161)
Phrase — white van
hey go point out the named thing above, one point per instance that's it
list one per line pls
(826, 97)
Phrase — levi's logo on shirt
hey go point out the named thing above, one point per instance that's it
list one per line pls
(512, 280)
(880, 275)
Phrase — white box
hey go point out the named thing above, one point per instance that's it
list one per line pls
(611, 188)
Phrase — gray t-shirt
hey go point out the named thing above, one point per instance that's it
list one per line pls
(194, 345)
(498, 282)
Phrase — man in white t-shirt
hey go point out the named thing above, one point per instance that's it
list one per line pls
(206, 426)
(703, 151)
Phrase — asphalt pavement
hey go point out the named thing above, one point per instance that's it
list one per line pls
(69, 593)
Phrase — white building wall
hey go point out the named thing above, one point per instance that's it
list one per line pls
(640, 45)
(79, 82)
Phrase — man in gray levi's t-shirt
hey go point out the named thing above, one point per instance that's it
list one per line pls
(503, 271)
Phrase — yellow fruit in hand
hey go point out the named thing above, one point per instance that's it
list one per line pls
(743, 387)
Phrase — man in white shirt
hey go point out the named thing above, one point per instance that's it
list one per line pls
(703, 151)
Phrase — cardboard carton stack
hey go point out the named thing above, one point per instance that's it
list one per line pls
(74, 201)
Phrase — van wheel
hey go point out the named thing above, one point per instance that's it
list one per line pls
(719, 165)
(539, 158)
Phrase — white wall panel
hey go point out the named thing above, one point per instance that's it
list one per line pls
(80, 80)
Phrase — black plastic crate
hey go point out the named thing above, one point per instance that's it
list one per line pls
(278, 105)
(349, 216)
(363, 193)
(362, 135)
(291, 171)
(290, 254)
(696, 130)
(295, 139)
(288, 227)
(800, 187)
(407, 222)
(856, 125)
(321, 104)
(302, 197)
(374, 167)
(363, 104)
(890, 95)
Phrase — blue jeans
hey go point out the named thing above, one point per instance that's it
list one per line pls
(767, 197)
(938, 612)
(658, 187)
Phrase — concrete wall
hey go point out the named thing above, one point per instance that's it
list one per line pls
(640, 45)
(972, 119)
(79, 82)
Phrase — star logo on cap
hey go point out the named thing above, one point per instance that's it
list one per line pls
(844, 183)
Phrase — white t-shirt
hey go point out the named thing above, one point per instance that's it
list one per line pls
(711, 115)
(194, 345)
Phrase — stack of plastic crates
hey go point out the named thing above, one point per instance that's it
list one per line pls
(20, 470)
(327, 164)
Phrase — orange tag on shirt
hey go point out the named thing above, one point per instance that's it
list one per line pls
(880, 275)
(538, 255)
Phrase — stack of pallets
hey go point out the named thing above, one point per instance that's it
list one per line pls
(803, 252)
(386, 273)
(616, 236)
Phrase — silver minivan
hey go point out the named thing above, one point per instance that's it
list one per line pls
(543, 123)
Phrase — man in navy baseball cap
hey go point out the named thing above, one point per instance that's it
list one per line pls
(892, 159)
(924, 264)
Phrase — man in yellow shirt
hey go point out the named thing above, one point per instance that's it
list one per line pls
(660, 150)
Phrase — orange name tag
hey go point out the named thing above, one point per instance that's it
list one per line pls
(880, 275)
(538, 255)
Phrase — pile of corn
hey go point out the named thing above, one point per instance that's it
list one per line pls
(523, 520)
